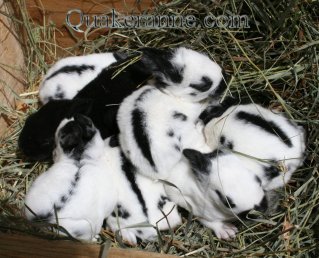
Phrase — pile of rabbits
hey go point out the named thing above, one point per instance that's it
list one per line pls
(132, 122)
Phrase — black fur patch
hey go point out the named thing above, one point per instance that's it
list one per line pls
(263, 206)
(214, 111)
(257, 178)
(43, 217)
(230, 145)
(63, 199)
(160, 64)
(121, 212)
(227, 201)
(114, 141)
(129, 171)
(178, 115)
(225, 142)
(214, 154)
(176, 147)
(79, 69)
(162, 201)
(200, 163)
(170, 133)
(268, 126)
(203, 86)
(141, 135)
(271, 171)
(222, 140)
(219, 90)
(59, 93)
(143, 94)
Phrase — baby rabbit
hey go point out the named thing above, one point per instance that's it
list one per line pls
(69, 75)
(139, 199)
(269, 144)
(77, 188)
(99, 100)
(218, 187)
(157, 123)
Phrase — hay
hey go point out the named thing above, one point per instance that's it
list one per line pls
(275, 62)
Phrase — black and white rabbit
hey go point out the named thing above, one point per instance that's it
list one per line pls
(271, 145)
(139, 199)
(218, 187)
(77, 188)
(99, 100)
(157, 123)
(92, 180)
(71, 74)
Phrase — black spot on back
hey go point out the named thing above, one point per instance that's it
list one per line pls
(268, 126)
(79, 69)
(141, 135)
(170, 133)
(203, 86)
(129, 171)
(178, 115)
(121, 212)
(227, 201)
(176, 147)
(257, 178)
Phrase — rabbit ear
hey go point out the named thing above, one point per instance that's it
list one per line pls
(80, 106)
(200, 163)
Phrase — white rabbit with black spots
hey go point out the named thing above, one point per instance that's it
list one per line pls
(92, 180)
(69, 75)
(218, 187)
(77, 187)
(156, 123)
(139, 199)
(269, 144)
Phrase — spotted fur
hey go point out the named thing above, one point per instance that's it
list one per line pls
(76, 186)
(273, 146)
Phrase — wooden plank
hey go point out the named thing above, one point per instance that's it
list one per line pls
(11, 66)
(21, 246)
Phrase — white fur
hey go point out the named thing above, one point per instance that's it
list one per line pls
(151, 192)
(257, 143)
(93, 197)
(230, 177)
(159, 108)
(71, 83)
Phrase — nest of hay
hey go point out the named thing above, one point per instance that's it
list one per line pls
(273, 62)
